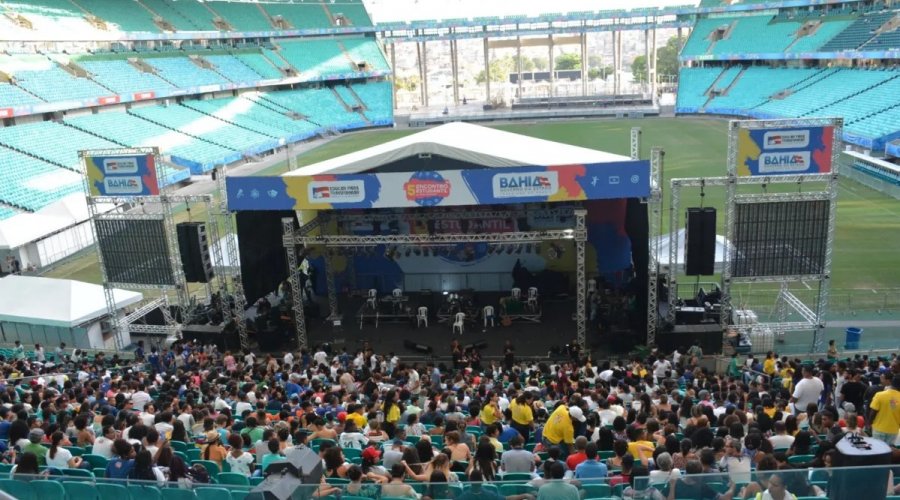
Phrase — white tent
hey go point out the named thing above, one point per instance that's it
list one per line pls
(19, 230)
(465, 142)
(665, 244)
(56, 302)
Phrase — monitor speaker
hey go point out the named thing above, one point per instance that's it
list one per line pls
(193, 245)
(700, 242)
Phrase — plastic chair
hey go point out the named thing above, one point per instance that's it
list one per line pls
(81, 491)
(459, 322)
(179, 446)
(211, 467)
(507, 490)
(422, 317)
(488, 313)
(96, 461)
(109, 491)
(193, 454)
(254, 481)
(596, 490)
(337, 481)
(532, 297)
(800, 459)
(516, 293)
(516, 476)
(233, 478)
(76, 451)
(178, 494)
(19, 489)
(78, 473)
(211, 493)
(397, 293)
(372, 301)
(48, 489)
(144, 492)
(351, 453)
(318, 441)
(99, 473)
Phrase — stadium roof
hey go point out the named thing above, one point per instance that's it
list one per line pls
(465, 142)
(56, 302)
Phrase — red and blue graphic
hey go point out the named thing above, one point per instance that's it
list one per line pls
(784, 150)
(427, 189)
(122, 175)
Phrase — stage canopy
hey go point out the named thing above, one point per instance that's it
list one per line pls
(457, 164)
(56, 302)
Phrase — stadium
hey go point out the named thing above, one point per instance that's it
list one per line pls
(398, 177)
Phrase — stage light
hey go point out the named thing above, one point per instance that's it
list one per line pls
(446, 292)
(569, 233)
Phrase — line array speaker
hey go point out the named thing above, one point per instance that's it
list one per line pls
(700, 242)
(193, 245)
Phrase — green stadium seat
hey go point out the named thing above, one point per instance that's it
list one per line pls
(596, 490)
(80, 491)
(45, 489)
(211, 493)
(21, 490)
(110, 491)
(178, 494)
(233, 478)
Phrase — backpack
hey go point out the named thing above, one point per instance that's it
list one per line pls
(199, 474)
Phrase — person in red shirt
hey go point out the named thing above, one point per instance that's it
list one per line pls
(624, 476)
(576, 458)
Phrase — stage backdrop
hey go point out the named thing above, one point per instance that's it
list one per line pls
(484, 186)
(122, 175)
(784, 150)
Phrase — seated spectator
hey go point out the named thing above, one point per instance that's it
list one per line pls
(556, 488)
(122, 461)
(696, 488)
(591, 468)
(396, 487)
(239, 460)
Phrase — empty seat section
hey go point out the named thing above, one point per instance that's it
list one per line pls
(260, 64)
(867, 103)
(727, 77)
(233, 69)
(55, 84)
(123, 16)
(7, 212)
(378, 99)
(839, 85)
(183, 72)
(137, 132)
(184, 15)
(122, 77)
(879, 125)
(31, 184)
(367, 50)
(53, 142)
(50, 15)
(314, 58)
(692, 86)
(11, 96)
(239, 112)
(825, 32)
(755, 86)
(300, 15)
(858, 33)
(319, 105)
(242, 16)
(205, 127)
(353, 11)
(755, 34)
(885, 41)
(698, 43)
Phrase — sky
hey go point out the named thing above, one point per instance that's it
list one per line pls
(401, 10)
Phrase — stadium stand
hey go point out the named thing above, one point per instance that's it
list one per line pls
(44, 15)
(248, 114)
(858, 33)
(7, 212)
(184, 15)
(260, 64)
(52, 142)
(11, 96)
(316, 58)
(31, 184)
(320, 106)
(123, 16)
(755, 86)
(693, 83)
(366, 50)
(378, 99)
(183, 72)
(821, 35)
(233, 68)
(353, 10)
(243, 16)
(300, 16)
(121, 77)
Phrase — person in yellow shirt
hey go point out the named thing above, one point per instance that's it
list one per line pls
(522, 414)
(638, 446)
(769, 364)
(355, 415)
(559, 429)
(490, 413)
(884, 413)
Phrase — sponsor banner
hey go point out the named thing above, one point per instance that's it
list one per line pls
(6, 112)
(442, 188)
(122, 175)
(783, 150)
(113, 99)
(141, 96)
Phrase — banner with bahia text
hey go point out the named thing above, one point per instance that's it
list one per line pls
(122, 175)
(442, 188)
(782, 150)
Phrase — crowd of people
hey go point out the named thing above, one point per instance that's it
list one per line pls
(384, 427)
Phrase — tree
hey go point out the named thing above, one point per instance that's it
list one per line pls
(540, 63)
(639, 69)
(666, 61)
(568, 61)
(410, 83)
(500, 70)
(595, 61)
(527, 64)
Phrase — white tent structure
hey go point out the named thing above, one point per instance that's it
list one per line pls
(49, 311)
(476, 144)
(665, 245)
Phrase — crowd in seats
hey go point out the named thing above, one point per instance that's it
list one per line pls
(192, 417)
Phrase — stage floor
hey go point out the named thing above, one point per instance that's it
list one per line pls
(556, 329)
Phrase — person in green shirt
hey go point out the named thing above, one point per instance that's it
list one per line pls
(34, 446)
(557, 489)
(734, 369)
(273, 455)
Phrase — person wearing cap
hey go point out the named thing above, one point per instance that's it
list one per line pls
(884, 413)
(560, 430)
(213, 449)
(34, 446)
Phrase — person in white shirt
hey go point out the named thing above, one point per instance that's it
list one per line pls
(734, 463)
(413, 381)
(186, 417)
(140, 398)
(660, 367)
(240, 461)
(320, 357)
(807, 391)
(242, 405)
(103, 444)
(148, 416)
(164, 426)
(288, 360)
(59, 457)
(351, 437)
(781, 439)
(249, 359)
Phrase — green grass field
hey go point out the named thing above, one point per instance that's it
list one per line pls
(868, 223)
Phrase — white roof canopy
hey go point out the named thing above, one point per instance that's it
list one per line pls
(19, 230)
(465, 142)
(56, 302)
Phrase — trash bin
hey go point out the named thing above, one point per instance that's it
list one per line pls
(853, 336)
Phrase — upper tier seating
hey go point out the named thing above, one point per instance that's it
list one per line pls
(314, 58)
(378, 99)
(233, 69)
(858, 33)
(53, 84)
(11, 96)
(205, 127)
(122, 16)
(182, 72)
(32, 184)
(242, 16)
(52, 142)
(260, 64)
(825, 32)
(889, 40)
(300, 15)
(7, 212)
(184, 15)
(47, 15)
(121, 77)
(840, 85)
(366, 49)
(755, 34)
(354, 11)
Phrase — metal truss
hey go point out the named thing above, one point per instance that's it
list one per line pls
(145, 309)
(452, 215)
(776, 197)
(438, 239)
(825, 282)
(310, 226)
(218, 262)
(334, 313)
(288, 229)
(580, 282)
(154, 329)
(797, 305)
(234, 270)
(635, 143)
(654, 208)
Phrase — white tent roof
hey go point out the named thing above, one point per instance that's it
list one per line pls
(665, 244)
(465, 142)
(22, 229)
(56, 302)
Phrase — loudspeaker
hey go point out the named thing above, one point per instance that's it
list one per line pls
(700, 242)
(285, 478)
(421, 348)
(193, 246)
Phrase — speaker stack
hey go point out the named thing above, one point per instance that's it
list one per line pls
(700, 242)
(193, 245)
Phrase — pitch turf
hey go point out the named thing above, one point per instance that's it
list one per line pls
(867, 240)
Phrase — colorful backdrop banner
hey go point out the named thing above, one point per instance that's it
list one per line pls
(783, 150)
(122, 175)
(442, 188)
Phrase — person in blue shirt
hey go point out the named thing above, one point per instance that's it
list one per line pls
(121, 464)
(591, 468)
(154, 360)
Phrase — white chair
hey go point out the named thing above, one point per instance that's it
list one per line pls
(397, 293)
(460, 321)
(591, 286)
(422, 317)
(489, 316)
(516, 293)
(532, 297)
(372, 301)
